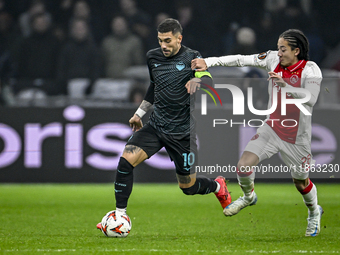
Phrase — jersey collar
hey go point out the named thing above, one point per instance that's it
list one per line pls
(179, 52)
(298, 65)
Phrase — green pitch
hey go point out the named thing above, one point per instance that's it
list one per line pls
(61, 219)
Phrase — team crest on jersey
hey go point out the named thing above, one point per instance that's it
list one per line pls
(255, 137)
(262, 55)
(180, 66)
(294, 79)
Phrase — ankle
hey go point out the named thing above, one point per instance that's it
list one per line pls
(249, 195)
(121, 210)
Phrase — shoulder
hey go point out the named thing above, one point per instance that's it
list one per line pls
(267, 56)
(312, 69)
(187, 49)
(268, 59)
(192, 52)
(272, 54)
(153, 53)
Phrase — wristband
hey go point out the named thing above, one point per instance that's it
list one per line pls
(140, 112)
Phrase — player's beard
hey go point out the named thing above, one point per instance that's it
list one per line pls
(169, 53)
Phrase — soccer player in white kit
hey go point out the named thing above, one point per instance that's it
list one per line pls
(288, 67)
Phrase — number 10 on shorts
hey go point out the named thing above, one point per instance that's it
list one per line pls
(189, 159)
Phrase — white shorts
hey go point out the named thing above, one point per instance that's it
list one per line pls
(266, 143)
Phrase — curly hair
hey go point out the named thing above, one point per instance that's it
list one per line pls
(297, 39)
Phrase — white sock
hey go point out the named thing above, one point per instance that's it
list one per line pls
(121, 210)
(246, 182)
(310, 197)
(218, 187)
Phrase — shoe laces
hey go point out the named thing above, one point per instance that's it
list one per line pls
(312, 222)
(240, 202)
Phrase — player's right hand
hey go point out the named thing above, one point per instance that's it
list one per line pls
(193, 85)
(136, 123)
(198, 64)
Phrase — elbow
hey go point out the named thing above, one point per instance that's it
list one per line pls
(312, 101)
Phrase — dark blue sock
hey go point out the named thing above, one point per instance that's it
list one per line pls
(123, 183)
(202, 186)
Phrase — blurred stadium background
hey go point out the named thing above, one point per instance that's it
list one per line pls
(73, 72)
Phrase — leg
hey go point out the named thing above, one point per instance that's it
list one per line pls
(260, 147)
(309, 193)
(183, 151)
(300, 156)
(245, 177)
(142, 145)
(315, 211)
(190, 185)
(245, 174)
(186, 181)
(301, 185)
(132, 156)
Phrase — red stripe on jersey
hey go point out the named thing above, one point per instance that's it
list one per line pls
(292, 76)
(308, 188)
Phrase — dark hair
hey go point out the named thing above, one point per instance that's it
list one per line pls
(170, 25)
(297, 39)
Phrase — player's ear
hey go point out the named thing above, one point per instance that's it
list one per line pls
(297, 51)
(179, 38)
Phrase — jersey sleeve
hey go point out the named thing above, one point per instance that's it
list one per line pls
(149, 96)
(265, 60)
(311, 80)
(205, 76)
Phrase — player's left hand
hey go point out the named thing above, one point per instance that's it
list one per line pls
(277, 79)
(192, 85)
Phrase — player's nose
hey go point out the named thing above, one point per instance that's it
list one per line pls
(163, 45)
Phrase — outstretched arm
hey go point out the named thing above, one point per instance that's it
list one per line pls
(263, 60)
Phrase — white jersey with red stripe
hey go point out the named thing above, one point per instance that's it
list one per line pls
(304, 74)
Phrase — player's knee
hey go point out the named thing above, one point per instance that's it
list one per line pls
(124, 166)
(243, 166)
(247, 160)
(191, 190)
(134, 155)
